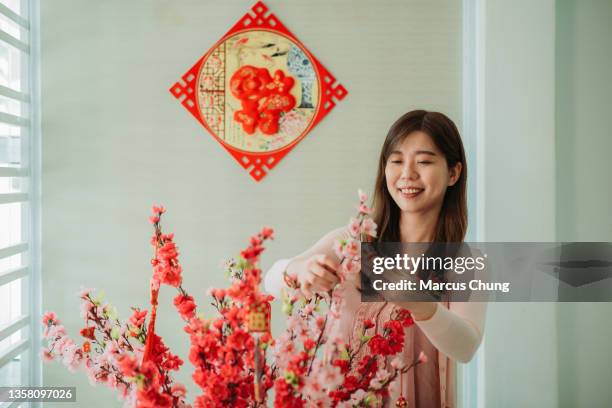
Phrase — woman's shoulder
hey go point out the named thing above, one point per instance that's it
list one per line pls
(337, 233)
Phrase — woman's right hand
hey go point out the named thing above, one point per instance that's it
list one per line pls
(319, 275)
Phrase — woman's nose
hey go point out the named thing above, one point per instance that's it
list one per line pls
(410, 171)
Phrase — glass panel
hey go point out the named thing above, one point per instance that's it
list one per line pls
(6, 264)
(10, 305)
(10, 374)
(12, 340)
(10, 145)
(10, 220)
(13, 107)
(10, 67)
(11, 185)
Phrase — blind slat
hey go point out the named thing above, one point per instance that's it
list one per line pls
(9, 39)
(14, 120)
(11, 15)
(13, 172)
(13, 351)
(13, 94)
(11, 327)
(13, 274)
(13, 198)
(13, 250)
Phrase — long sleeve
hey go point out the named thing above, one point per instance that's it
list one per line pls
(273, 280)
(456, 331)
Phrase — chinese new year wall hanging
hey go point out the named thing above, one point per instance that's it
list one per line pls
(258, 91)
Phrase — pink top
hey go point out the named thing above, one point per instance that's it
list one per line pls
(453, 333)
(422, 387)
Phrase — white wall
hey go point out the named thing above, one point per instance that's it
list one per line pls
(115, 141)
(518, 170)
(584, 197)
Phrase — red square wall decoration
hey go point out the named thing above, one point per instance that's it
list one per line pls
(258, 91)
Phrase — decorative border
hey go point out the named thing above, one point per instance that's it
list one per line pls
(259, 164)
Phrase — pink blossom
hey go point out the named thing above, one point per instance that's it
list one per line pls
(354, 226)
(351, 249)
(364, 209)
(363, 197)
(178, 390)
(86, 307)
(46, 355)
(422, 357)
(49, 318)
(380, 378)
(358, 396)
(83, 293)
(158, 209)
(397, 363)
(368, 227)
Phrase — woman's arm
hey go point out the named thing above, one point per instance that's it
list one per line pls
(274, 281)
(457, 331)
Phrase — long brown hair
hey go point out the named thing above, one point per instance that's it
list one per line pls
(452, 222)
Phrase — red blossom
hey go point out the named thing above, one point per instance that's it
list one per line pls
(158, 209)
(172, 362)
(185, 306)
(128, 365)
(88, 332)
(309, 344)
(267, 233)
(138, 318)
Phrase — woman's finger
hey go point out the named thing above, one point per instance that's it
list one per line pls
(328, 263)
(319, 285)
(306, 289)
(324, 274)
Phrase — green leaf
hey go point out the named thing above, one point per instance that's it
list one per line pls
(115, 332)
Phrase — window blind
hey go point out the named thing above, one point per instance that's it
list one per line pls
(19, 195)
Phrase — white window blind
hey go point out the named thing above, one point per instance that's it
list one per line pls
(19, 196)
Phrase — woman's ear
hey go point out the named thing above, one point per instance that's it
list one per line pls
(454, 173)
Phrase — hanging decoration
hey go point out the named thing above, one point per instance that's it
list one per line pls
(258, 91)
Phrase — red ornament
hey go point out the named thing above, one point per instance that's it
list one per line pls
(401, 402)
(258, 318)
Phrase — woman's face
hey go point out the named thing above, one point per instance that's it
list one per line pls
(417, 174)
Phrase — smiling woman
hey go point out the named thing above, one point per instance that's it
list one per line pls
(419, 196)
(422, 172)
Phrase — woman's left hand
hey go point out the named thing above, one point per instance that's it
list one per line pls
(419, 310)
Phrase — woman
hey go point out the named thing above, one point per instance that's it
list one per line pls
(419, 196)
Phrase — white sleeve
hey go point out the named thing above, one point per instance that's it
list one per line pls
(457, 331)
(274, 280)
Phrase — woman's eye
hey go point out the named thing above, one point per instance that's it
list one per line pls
(396, 161)
(424, 162)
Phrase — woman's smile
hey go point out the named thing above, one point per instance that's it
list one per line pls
(410, 193)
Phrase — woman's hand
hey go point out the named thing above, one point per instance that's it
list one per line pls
(420, 310)
(319, 275)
